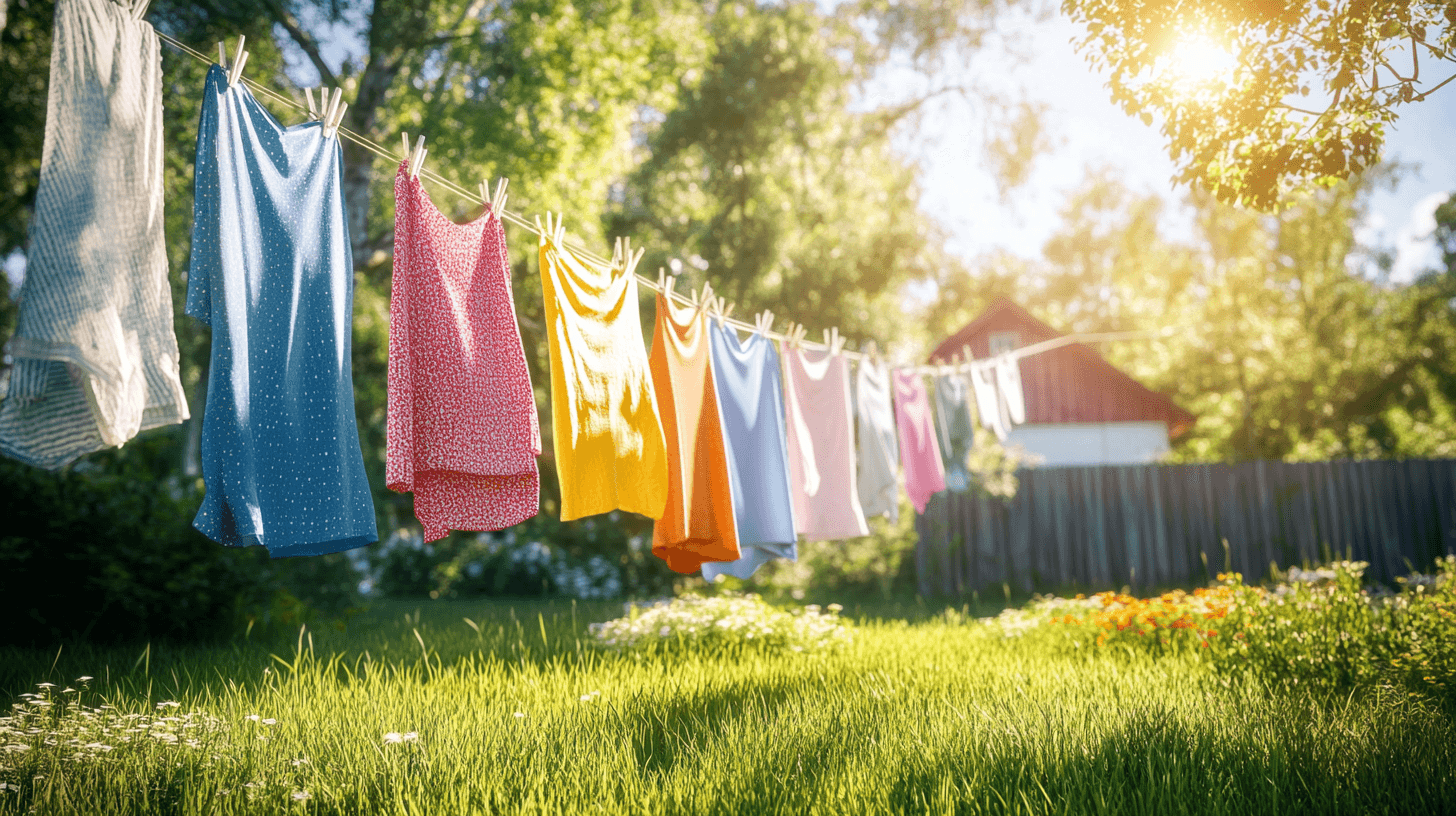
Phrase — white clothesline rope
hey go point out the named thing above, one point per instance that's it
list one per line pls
(795, 336)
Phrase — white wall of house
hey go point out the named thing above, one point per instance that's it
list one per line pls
(1099, 443)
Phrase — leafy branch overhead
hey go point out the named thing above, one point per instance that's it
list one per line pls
(1257, 97)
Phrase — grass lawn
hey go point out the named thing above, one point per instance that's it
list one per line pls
(520, 713)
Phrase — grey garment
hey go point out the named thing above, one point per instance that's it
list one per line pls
(989, 404)
(1008, 382)
(953, 428)
(879, 448)
(96, 356)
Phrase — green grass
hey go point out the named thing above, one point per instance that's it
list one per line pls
(922, 717)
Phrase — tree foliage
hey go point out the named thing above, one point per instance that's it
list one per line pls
(1307, 95)
(1284, 343)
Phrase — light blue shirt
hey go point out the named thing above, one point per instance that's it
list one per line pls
(747, 378)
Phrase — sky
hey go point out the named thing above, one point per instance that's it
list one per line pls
(1089, 131)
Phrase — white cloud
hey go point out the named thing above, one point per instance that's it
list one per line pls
(1415, 251)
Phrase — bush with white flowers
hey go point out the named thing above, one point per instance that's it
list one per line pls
(724, 621)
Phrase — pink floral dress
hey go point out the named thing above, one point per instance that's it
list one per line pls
(462, 430)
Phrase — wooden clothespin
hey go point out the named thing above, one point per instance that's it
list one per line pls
(554, 230)
(872, 350)
(494, 203)
(332, 113)
(763, 322)
(833, 341)
(624, 260)
(665, 282)
(417, 158)
(703, 299)
(722, 310)
(313, 112)
(139, 9)
(240, 58)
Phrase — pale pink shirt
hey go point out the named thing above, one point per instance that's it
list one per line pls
(821, 445)
(919, 452)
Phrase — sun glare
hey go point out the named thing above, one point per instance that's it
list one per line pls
(1197, 60)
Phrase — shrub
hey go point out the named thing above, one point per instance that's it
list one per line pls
(593, 558)
(1323, 627)
(107, 552)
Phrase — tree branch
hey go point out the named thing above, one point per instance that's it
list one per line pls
(1421, 96)
(302, 38)
(890, 116)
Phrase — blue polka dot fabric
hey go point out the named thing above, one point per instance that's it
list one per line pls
(271, 273)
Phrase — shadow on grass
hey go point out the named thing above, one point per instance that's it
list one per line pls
(1157, 764)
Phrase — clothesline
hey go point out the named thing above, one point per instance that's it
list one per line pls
(505, 214)
(581, 251)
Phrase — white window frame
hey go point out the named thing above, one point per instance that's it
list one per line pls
(1003, 341)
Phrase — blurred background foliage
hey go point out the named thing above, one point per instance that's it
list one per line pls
(734, 141)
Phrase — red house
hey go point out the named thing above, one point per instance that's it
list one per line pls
(1080, 410)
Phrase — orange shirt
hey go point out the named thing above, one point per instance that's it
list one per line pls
(698, 525)
(610, 452)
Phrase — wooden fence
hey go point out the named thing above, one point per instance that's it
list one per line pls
(1095, 528)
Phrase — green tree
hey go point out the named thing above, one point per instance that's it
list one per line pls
(770, 185)
(1259, 98)
(1282, 345)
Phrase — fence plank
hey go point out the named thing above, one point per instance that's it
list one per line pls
(1102, 527)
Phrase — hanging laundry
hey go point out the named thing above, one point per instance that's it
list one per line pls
(1008, 382)
(272, 275)
(95, 353)
(747, 378)
(988, 399)
(879, 450)
(953, 428)
(919, 452)
(698, 524)
(821, 445)
(607, 434)
(462, 429)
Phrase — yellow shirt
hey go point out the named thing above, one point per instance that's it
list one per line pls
(610, 451)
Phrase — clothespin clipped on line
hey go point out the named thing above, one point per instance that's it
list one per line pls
(494, 203)
(139, 9)
(872, 350)
(665, 282)
(624, 260)
(795, 334)
(722, 313)
(553, 231)
(763, 322)
(702, 299)
(833, 340)
(416, 158)
(329, 111)
(240, 58)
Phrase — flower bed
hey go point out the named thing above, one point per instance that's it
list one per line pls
(726, 621)
(1320, 626)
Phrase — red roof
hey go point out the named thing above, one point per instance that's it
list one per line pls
(1067, 384)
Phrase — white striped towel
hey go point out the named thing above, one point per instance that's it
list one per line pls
(96, 356)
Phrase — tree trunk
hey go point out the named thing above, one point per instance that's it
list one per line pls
(359, 172)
